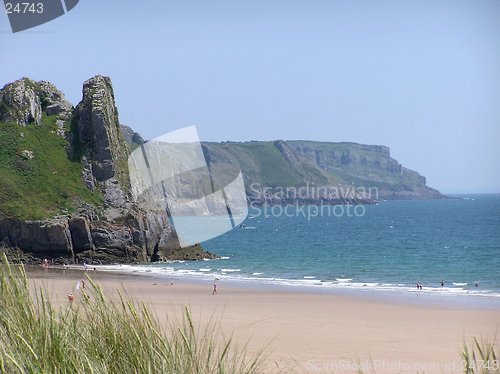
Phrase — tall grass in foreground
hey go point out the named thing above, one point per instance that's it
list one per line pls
(480, 358)
(99, 335)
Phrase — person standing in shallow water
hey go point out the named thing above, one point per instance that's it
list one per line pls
(442, 283)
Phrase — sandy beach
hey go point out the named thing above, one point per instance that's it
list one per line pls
(315, 332)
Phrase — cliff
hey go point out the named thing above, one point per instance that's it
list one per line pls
(332, 172)
(64, 181)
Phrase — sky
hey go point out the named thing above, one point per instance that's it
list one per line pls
(422, 77)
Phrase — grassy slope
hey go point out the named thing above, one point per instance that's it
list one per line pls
(46, 185)
(262, 162)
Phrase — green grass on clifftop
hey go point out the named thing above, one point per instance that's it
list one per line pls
(263, 163)
(37, 179)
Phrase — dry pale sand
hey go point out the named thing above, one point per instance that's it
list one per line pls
(321, 333)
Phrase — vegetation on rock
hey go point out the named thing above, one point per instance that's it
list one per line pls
(45, 184)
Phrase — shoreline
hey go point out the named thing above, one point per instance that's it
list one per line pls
(318, 332)
(400, 295)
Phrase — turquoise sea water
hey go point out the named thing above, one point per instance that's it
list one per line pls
(391, 247)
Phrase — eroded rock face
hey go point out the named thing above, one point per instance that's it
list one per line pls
(81, 236)
(24, 101)
(20, 103)
(132, 137)
(105, 152)
(45, 239)
(119, 231)
(139, 237)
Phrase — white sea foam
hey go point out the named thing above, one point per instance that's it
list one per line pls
(308, 281)
(310, 277)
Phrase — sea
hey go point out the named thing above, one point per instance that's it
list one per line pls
(451, 246)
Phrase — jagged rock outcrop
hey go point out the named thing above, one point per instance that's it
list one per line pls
(99, 135)
(133, 138)
(20, 103)
(24, 101)
(119, 230)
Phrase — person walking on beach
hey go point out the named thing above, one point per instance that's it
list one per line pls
(214, 292)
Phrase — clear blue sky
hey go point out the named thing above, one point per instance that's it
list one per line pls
(420, 76)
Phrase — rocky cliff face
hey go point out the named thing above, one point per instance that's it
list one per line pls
(116, 230)
(341, 172)
(21, 103)
(104, 151)
(366, 166)
(24, 101)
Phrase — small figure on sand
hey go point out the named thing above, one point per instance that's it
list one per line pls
(442, 283)
(214, 292)
(80, 284)
(419, 286)
(85, 266)
(171, 283)
(71, 297)
(45, 263)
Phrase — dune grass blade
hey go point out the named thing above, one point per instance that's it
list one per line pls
(480, 358)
